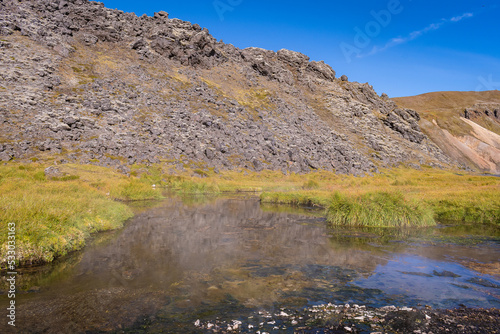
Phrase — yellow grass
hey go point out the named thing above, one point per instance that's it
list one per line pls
(452, 196)
(56, 216)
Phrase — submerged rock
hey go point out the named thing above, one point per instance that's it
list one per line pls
(483, 282)
(445, 273)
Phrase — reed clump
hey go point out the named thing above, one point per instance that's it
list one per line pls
(379, 209)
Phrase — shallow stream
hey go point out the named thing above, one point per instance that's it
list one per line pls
(183, 260)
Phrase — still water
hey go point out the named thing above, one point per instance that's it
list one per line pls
(182, 260)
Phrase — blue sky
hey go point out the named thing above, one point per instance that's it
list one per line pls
(401, 47)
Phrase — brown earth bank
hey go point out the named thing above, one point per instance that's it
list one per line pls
(465, 125)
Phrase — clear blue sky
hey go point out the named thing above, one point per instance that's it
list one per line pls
(402, 48)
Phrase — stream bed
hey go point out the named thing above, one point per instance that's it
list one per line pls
(189, 265)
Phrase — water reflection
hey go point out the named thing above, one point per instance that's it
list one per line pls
(425, 281)
(184, 259)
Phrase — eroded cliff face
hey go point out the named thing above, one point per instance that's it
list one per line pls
(89, 84)
(465, 125)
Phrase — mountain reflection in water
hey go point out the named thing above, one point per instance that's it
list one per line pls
(180, 259)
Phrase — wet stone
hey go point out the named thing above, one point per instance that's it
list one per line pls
(445, 273)
(483, 282)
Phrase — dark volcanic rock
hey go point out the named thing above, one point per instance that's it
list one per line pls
(445, 273)
(92, 83)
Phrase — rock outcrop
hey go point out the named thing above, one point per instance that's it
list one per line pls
(94, 85)
(465, 125)
(491, 110)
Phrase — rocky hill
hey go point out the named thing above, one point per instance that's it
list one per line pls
(465, 125)
(83, 83)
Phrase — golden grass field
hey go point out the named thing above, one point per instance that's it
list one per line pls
(56, 216)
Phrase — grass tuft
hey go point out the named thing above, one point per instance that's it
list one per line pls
(135, 190)
(379, 209)
(310, 184)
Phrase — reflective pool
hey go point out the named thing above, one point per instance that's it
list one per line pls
(182, 260)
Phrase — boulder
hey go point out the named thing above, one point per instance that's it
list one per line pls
(209, 154)
(293, 58)
(53, 171)
(90, 39)
(161, 15)
(4, 156)
(321, 70)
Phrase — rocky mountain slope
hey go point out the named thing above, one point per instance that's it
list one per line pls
(465, 125)
(88, 84)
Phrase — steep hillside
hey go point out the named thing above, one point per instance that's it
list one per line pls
(87, 84)
(465, 125)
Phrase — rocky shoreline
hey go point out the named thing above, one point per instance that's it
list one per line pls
(329, 318)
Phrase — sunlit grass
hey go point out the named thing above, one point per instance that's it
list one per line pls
(447, 195)
(379, 209)
(302, 198)
(56, 216)
(191, 185)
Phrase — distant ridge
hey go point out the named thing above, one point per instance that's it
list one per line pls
(465, 125)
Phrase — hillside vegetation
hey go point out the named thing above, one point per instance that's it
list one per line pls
(118, 90)
(465, 125)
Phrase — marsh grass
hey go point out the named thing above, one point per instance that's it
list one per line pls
(134, 190)
(401, 192)
(310, 184)
(379, 209)
(187, 185)
(54, 217)
(468, 210)
(398, 196)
